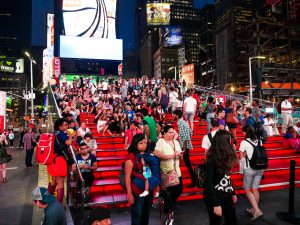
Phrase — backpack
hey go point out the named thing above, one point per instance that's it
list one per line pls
(278, 107)
(45, 149)
(122, 174)
(259, 158)
(259, 130)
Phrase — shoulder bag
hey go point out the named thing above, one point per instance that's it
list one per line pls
(170, 178)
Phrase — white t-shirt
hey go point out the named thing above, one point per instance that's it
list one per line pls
(81, 132)
(206, 142)
(173, 96)
(165, 148)
(286, 104)
(104, 86)
(248, 148)
(190, 104)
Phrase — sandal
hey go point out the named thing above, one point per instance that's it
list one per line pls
(250, 211)
(4, 180)
(256, 216)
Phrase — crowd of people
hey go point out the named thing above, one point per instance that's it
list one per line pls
(147, 112)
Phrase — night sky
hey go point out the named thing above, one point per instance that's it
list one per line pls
(126, 29)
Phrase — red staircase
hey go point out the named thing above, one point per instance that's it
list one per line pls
(110, 155)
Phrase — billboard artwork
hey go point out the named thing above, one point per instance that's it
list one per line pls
(188, 74)
(172, 36)
(50, 29)
(158, 14)
(2, 110)
(90, 18)
(11, 65)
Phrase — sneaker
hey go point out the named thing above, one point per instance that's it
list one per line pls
(170, 219)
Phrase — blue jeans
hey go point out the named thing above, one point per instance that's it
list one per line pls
(140, 210)
(209, 116)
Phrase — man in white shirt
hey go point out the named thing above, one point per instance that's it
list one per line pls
(105, 87)
(173, 97)
(207, 139)
(189, 109)
(286, 112)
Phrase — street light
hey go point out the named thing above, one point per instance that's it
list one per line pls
(31, 80)
(250, 75)
(173, 67)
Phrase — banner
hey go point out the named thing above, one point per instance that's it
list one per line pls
(2, 110)
(50, 29)
(188, 74)
(47, 64)
(56, 66)
(11, 65)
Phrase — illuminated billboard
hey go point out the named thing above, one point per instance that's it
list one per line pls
(50, 29)
(188, 74)
(172, 36)
(158, 14)
(11, 65)
(90, 18)
(89, 30)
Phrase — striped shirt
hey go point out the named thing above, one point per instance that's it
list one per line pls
(185, 134)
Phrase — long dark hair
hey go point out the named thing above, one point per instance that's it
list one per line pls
(133, 148)
(222, 152)
(250, 133)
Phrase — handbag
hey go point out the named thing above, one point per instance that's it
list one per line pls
(170, 178)
(232, 119)
(4, 157)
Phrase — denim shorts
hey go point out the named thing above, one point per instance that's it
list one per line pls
(252, 178)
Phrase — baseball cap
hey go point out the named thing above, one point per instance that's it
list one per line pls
(99, 213)
(42, 194)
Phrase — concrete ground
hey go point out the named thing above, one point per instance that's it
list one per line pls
(16, 206)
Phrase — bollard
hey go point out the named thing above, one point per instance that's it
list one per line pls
(290, 216)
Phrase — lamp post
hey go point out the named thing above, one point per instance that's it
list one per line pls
(175, 70)
(250, 75)
(31, 83)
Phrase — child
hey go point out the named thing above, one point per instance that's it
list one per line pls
(11, 137)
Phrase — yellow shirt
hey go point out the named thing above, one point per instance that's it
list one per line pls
(165, 148)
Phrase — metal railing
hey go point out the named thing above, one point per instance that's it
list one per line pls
(54, 113)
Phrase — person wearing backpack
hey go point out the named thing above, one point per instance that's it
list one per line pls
(286, 112)
(251, 176)
(207, 139)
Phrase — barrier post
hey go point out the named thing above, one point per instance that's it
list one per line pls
(290, 216)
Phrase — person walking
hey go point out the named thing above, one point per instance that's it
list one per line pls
(189, 109)
(286, 112)
(169, 152)
(218, 194)
(28, 141)
(58, 169)
(151, 129)
(141, 168)
(11, 138)
(21, 135)
(210, 112)
(207, 139)
(54, 213)
(185, 137)
(3, 157)
(251, 177)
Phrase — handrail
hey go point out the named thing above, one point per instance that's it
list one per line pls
(82, 191)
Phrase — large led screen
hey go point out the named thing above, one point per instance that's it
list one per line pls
(158, 14)
(172, 36)
(91, 48)
(90, 18)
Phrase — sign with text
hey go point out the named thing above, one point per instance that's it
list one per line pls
(56, 66)
(11, 65)
(2, 109)
(188, 74)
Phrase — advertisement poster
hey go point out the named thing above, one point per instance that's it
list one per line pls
(56, 66)
(172, 36)
(47, 63)
(11, 65)
(2, 109)
(158, 13)
(50, 29)
(188, 74)
(90, 18)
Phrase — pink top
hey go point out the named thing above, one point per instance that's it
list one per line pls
(130, 133)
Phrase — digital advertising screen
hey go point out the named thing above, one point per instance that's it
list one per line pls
(158, 14)
(188, 74)
(90, 18)
(172, 36)
(89, 30)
